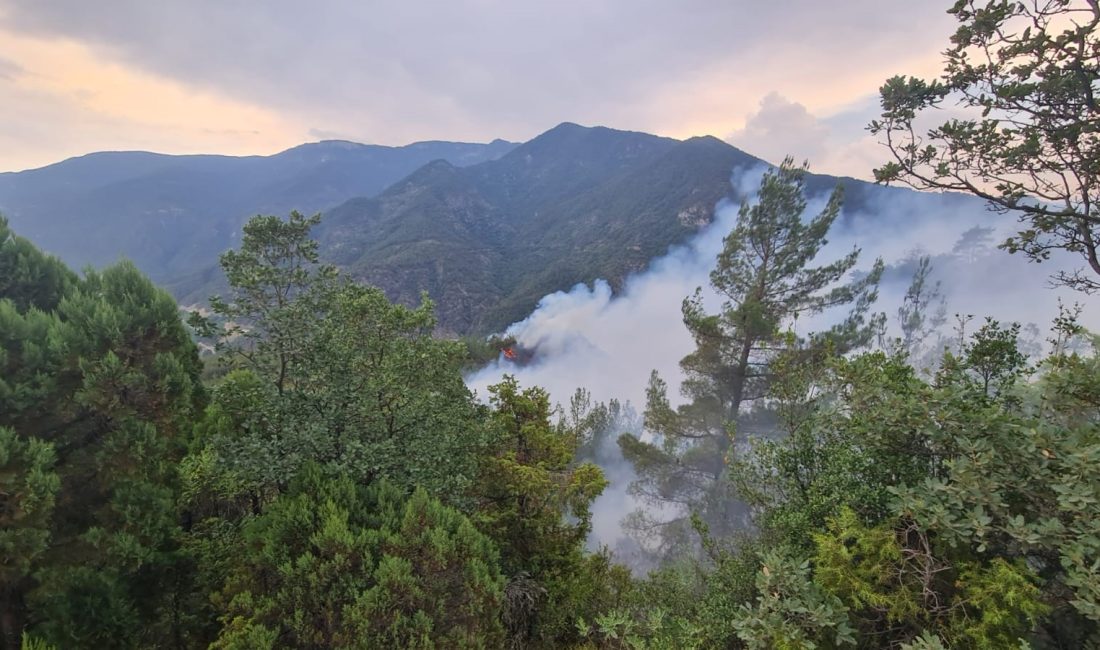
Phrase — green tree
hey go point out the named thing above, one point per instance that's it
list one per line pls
(867, 431)
(276, 282)
(336, 565)
(336, 374)
(791, 612)
(921, 314)
(102, 370)
(766, 280)
(597, 425)
(28, 489)
(973, 244)
(28, 277)
(323, 373)
(964, 500)
(128, 380)
(535, 503)
(1024, 486)
(1026, 76)
(897, 584)
(991, 361)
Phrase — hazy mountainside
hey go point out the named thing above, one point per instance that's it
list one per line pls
(572, 205)
(486, 230)
(174, 214)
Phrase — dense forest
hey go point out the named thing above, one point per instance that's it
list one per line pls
(326, 479)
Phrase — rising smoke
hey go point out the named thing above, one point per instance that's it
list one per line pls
(589, 337)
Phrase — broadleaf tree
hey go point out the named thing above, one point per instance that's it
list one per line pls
(331, 372)
(1023, 76)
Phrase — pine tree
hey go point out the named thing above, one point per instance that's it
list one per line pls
(920, 316)
(28, 489)
(336, 565)
(102, 370)
(973, 244)
(534, 502)
(28, 277)
(766, 280)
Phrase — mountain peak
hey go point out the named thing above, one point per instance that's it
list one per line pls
(323, 147)
(571, 137)
(569, 126)
(336, 144)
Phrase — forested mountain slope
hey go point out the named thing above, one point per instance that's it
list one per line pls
(174, 214)
(486, 230)
(570, 206)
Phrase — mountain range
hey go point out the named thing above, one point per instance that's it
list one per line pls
(485, 229)
(172, 214)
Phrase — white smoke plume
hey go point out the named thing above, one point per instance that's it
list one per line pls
(589, 337)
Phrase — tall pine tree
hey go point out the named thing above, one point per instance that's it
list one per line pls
(766, 278)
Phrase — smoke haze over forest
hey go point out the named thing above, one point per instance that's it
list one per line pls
(606, 343)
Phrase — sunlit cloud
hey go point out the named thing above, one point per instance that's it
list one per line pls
(250, 77)
(60, 100)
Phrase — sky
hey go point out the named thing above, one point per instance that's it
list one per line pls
(255, 77)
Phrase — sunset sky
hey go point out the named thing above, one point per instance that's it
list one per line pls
(239, 77)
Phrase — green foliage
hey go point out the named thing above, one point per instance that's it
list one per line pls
(926, 641)
(28, 489)
(896, 585)
(1002, 604)
(33, 643)
(364, 392)
(28, 277)
(334, 565)
(102, 371)
(596, 426)
(276, 283)
(682, 604)
(845, 450)
(864, 568)
(791, 612)
(1025, 488)
(956, 509)
(990, 362)
(1025, 75)
(764, 276)
(655, 631)
(343, 489)
(337, 375)
(535, 503)
(921, 314)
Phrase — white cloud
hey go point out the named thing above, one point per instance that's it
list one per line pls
(781, 128)
(392, 72)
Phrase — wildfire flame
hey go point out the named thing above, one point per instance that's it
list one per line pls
(509, 354)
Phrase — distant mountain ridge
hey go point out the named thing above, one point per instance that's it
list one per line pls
(173, 214)
(485, 229)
